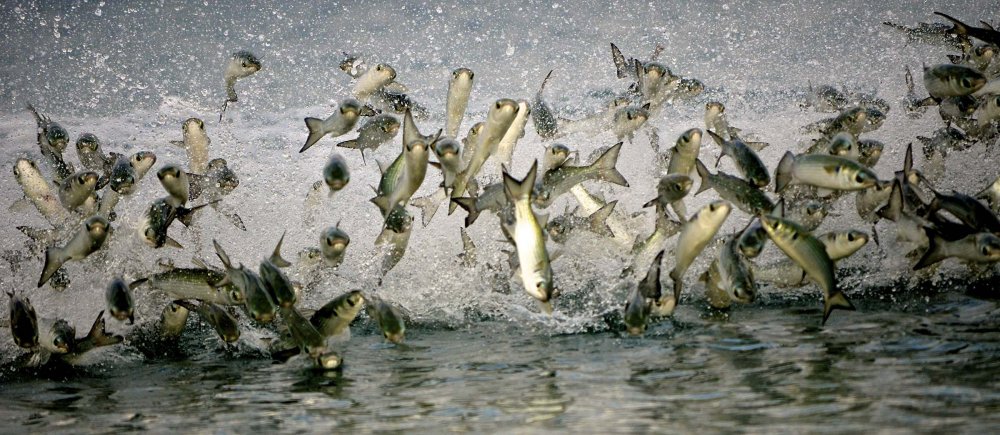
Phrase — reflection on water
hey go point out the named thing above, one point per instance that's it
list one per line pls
(771, 371)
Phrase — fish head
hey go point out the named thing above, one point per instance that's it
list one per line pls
(247, 61)
(558, 229)
(23, 167)
(87, 142)
(417, 148)
(690, 139)
(350, 108)
(97, 227)
(462, 75)
(142, 161)
(715, 211)
(63, 336)
(752, 240)
(193, 125)
(988, 246)
(385, 72)
(447, 149)
(329, 361)
(715, 107)
(123, 178)
(779, 229)
(388, 124)
(744, 292)
(57, 136)
(842, 144)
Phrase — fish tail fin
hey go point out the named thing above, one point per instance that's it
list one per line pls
(315, 126)
(545, 81)
(522, 189)
(836, 301)
(892, 209)
(276, 255)
(704, 175)
(428, 206)
(958, 26)
(933, 254)
(606, 165)
(598, 220)
(221, 253)
(677, 278)
(621, 68)
(352, 144)
(783, 174)
(715, 136)
(98, 336)
(53, 261)
(469, 205)
(186, 215)
(650, 203)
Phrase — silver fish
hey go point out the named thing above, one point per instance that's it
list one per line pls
(533, 257)
(505, 149)
(240, 65)
(339, 123)
(333, 243)
(640, 303)
(52, 141)
(947, 80)
(498, 121)
(336, 174)
(388, 317)
(256, 299)
(118, 296)
(218, 317)
(558, 181)
(743, 194)
(977, 247)
(76, 189)
(87, 240)
(694, 237)
(373, 133)
(459, 88)
(195, 142)
(823, 171)
(561, 227)
(394, 238)
(39, 193)
(175, 181)
(542, 116)
(88, 150)
(373, 80)
(336, 316)
(747, 161)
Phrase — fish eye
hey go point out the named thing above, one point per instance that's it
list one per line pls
(236, 296)
(378, 67)
(81, 179)
(499, 105)
(859, 178)
(629, 116)
(850, 237)
(471, 75)
(966, 83)
(150, 233)
(59, 342)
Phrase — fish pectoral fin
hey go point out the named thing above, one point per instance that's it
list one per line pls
(173, 243)
(179, 143)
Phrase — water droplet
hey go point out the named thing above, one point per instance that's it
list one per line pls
(97, 12)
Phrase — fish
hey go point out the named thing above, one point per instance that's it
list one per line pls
(39, 193)
(743, 194)
(694, 237)
(868, 201)
(376, 131)
(468, 255)
(492, 198)
(459, 88)
(76, 189)
(58, 339)
(843, 244)
(334, 317)
(92, 157)
(533, 257)
(388, 317)
(987, 35)
(991, 194)
(639, 305)
(176, 182)
(664, 228)
(198, 283)
(23, 321)
(752, 239)
(275, 281)
(729, 278)
(684, 153)
(173, 319)
(809, 254)
(337, 124)
(555, 156)
(373, 80)
(218, 317)
(558, 181)
(823, 171)
(715, 119)
(560, 227)
(118, 296)
(447, 151)
(240, 65)
(158, 219)
(966, 208)
(981, 247)
(333, 242)
(809, 214)
(869, 152)
(852, 120)
(505, 149)
(747, 161)
(307, 338)
(628, 119)
(498, 121)
(256, 299)
(670, 191)
(414, 169)
(395, 237)
(542, 116)
(52, 142)
(195, 142)
(336, 173)
(123, 179)
(988, 111)
(87, 240)
(470, 142)
(395, 101)
(947, 80)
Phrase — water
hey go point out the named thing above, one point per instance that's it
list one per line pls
(919, 354)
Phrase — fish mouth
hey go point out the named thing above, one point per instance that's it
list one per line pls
(635, 330)
(395, 338)
(336, 185)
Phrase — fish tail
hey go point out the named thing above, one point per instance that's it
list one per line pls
(469, 205)
(621, 68)
(221, 253)
(546, 80)
(836, 300)
(704, 175)
(598, 220)
(715, 136)
(959, 27)
(894, 207)
(606, 165)
(352, 144)
(53, 261)
(933, 254)
(276, 255)
(428, 206)
(186, 215)
(783, 174)
(315, 126)
(522, 189)
(98, 336)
